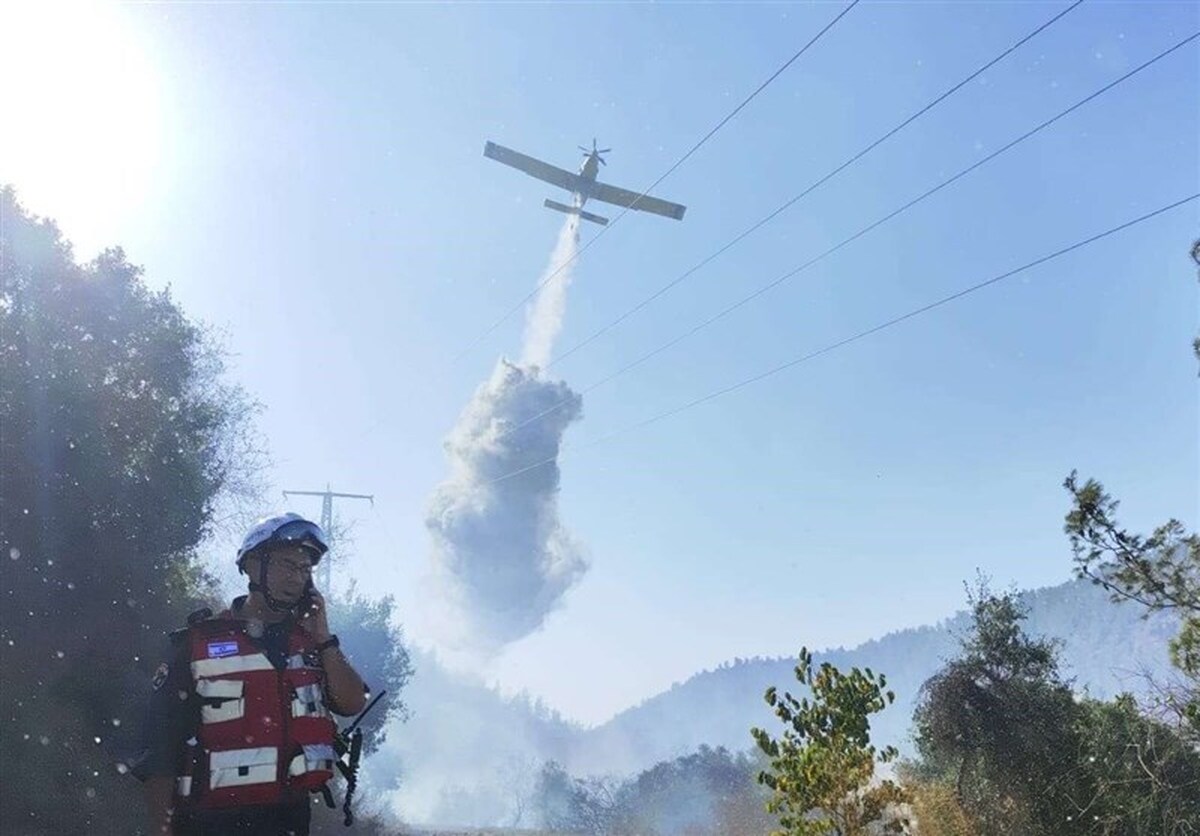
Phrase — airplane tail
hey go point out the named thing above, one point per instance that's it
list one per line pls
(575, 210)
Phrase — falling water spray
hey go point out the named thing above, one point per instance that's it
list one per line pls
(502, 559)
(545, 316)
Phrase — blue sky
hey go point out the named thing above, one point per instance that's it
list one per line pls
(309, 179)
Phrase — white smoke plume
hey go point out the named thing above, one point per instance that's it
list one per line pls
(502, 559)
(545, 318)
(501, 556)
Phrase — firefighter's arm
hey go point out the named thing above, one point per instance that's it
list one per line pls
(160, 797)
(170, 718)
(344, 691)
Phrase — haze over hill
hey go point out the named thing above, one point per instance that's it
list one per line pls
(469, 754)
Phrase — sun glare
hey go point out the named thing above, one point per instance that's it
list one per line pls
(82, 133)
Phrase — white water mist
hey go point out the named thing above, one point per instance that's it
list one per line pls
(545, 318)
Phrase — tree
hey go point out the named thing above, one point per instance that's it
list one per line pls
(704, 793)
(1138, 777)
(822, 769)
(997, 722)
(118, 439)
(709, 792)
(1158, 572)
(1007, 748)
(573, 805)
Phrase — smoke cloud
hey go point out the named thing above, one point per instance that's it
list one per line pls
(502, 559)
(501, 556)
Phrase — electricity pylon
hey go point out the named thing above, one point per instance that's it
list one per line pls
(327, 497)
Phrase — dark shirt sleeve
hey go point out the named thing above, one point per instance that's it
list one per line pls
(171, 716)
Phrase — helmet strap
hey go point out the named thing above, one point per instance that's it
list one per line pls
(261, 586)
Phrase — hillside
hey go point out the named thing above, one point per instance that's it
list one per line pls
(1103, 648)
(468, 754)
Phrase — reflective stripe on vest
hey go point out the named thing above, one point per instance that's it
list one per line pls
(237, 767)
(254, 718)
(309, 701)
(312, 759)
(231, 664)
(221, 700)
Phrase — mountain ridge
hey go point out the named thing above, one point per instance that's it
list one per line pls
(1102, 648)
(468, 751)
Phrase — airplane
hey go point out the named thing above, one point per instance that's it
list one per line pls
(584, 185)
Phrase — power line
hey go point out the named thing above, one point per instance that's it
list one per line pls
(817, 184)
(845, 242)
(665, 175)
(804, 358)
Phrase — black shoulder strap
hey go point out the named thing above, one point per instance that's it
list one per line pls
(194, 618)
(200, 615)
(205, 623)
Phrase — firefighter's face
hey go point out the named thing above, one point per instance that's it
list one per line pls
(289, 572)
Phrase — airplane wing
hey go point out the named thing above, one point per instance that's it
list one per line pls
(536, 168)
(633, 200)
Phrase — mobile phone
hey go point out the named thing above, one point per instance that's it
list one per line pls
(306, 602)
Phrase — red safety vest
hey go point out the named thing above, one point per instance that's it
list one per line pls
(265, 734)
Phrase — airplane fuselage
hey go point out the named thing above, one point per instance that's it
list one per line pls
(590, 167)
(588, 171)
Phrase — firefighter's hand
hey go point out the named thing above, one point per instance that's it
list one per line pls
(312, 618)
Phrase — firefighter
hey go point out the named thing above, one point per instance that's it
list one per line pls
(240, 732)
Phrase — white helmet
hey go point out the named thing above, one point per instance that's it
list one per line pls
(284, 529)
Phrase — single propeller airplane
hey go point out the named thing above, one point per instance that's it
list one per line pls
(584, 185)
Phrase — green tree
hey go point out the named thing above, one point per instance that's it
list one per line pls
(704, 793)
(1158, 572)
(118, 439)
(822, 769)
(1137, 777)
(998, 723)
(1007, 748)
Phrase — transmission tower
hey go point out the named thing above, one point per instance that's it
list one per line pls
(327, 497)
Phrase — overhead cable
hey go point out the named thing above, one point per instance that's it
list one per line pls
(860, 233)
(728, 117)
(890, 323)
(814, 186)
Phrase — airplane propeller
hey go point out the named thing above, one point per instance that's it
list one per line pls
(594, 151)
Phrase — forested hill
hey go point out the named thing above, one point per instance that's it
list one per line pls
(467, 752)
(1105, 647)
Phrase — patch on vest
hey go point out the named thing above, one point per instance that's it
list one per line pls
(217, 650)
(160, 676)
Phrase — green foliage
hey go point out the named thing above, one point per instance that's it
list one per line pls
(997, 722)
(118, 437)
(1136, 775)
(1158, 572)
(822, 769)
(709, 791)
(1022, 755)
